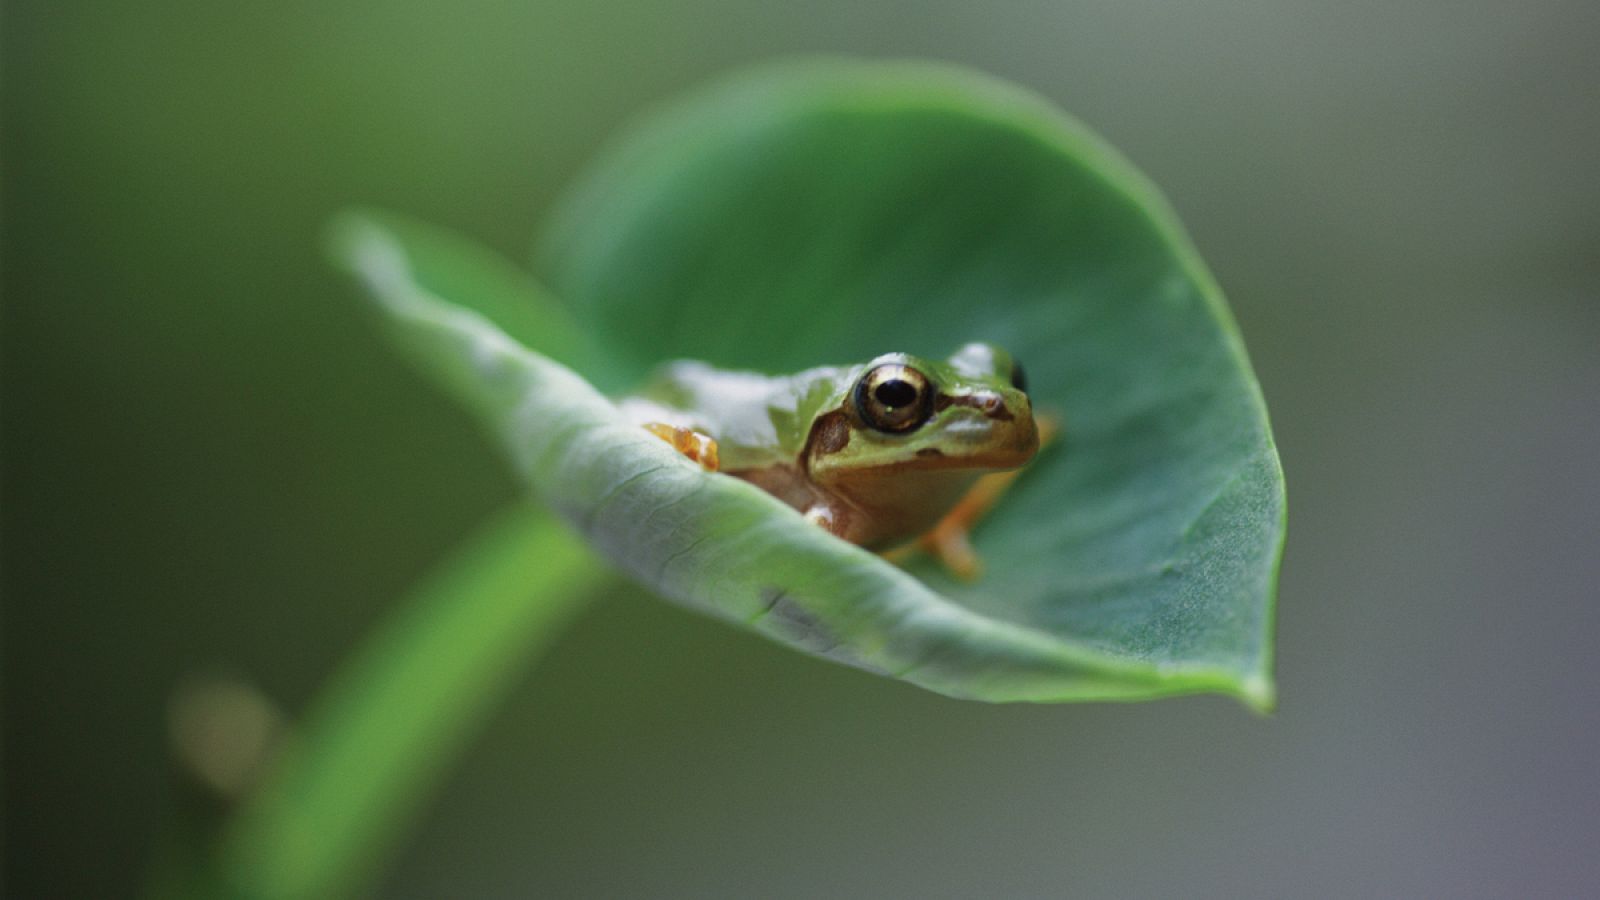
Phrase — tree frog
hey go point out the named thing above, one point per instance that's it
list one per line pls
(879, 453)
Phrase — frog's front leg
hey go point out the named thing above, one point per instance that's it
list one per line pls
(950, 540)
(701, 448)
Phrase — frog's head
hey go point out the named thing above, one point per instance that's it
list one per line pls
(900, 411)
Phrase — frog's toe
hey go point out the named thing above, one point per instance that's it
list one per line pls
(701, 448)
(824, 517)
(953, 549)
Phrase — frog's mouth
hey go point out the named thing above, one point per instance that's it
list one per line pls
(986, 439)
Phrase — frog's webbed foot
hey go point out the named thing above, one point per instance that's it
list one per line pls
(696, 446)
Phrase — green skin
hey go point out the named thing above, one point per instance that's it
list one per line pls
(804, 439)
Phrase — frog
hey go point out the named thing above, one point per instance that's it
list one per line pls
(897, 454)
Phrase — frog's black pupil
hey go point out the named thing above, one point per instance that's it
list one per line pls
(895, 394)
(1019, 378)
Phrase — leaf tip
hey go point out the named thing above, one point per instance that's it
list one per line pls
(1259, 692)
(357, 242)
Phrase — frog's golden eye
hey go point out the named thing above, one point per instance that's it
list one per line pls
(893, 398)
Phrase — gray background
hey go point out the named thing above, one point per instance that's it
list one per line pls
(212, 463)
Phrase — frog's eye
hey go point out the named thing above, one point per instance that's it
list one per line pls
(893, 398)
(1019, 378)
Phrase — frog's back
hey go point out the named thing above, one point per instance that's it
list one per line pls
(757, 420)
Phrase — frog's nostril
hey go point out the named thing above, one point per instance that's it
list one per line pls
(988, 403)
(992, 405)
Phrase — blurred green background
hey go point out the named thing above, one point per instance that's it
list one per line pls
(213, 464)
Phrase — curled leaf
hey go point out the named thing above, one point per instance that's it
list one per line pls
(826, 213)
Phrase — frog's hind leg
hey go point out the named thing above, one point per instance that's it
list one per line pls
(696, 446)
(950, 541)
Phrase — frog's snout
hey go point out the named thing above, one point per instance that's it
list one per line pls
(1023, 435)
(1003, 435)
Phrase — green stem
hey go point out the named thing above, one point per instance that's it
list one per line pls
(392, 719)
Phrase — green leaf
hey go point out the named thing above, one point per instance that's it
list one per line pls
(829, 212)
(483, 282)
